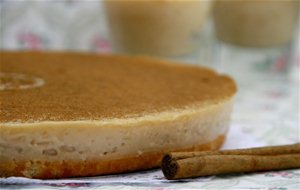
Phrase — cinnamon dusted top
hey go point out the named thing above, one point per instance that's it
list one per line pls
(71, 86)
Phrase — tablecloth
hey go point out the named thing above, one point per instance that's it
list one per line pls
(266, 111)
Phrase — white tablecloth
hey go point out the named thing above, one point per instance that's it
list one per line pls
(266, 111)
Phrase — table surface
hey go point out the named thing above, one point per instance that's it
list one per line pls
(266, 110)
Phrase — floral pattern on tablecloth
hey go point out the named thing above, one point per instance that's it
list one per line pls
(153, 180)
(54, 25)
(266, 111)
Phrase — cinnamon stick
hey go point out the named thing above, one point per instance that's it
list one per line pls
(179, 165)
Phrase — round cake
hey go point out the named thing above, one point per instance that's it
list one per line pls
(75, 114)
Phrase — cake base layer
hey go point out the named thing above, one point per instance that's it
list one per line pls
(70, 168)
(88, 148)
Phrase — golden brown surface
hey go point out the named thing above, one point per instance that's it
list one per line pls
(66, 168)
(93, 87)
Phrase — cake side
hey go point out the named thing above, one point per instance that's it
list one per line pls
(48, 149)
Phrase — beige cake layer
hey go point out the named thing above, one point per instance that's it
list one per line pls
(69, 114)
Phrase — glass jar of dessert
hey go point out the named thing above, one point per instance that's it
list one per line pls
(255, 38)
(164, 28)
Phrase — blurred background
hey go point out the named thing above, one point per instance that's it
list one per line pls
(254, 41)
(247, 39)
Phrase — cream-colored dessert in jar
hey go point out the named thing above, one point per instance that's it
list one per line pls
(257, 23)
(156, 27)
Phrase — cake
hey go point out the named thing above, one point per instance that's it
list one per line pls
(77, 114)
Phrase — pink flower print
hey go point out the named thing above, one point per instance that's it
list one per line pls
(284, 174)
(100, 45)
(280, 64)
(30, 40)
(275, 94)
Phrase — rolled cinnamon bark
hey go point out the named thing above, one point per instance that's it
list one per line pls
(269, 150)
(194, 164)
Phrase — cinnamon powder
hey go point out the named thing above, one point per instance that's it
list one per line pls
(93, 87)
